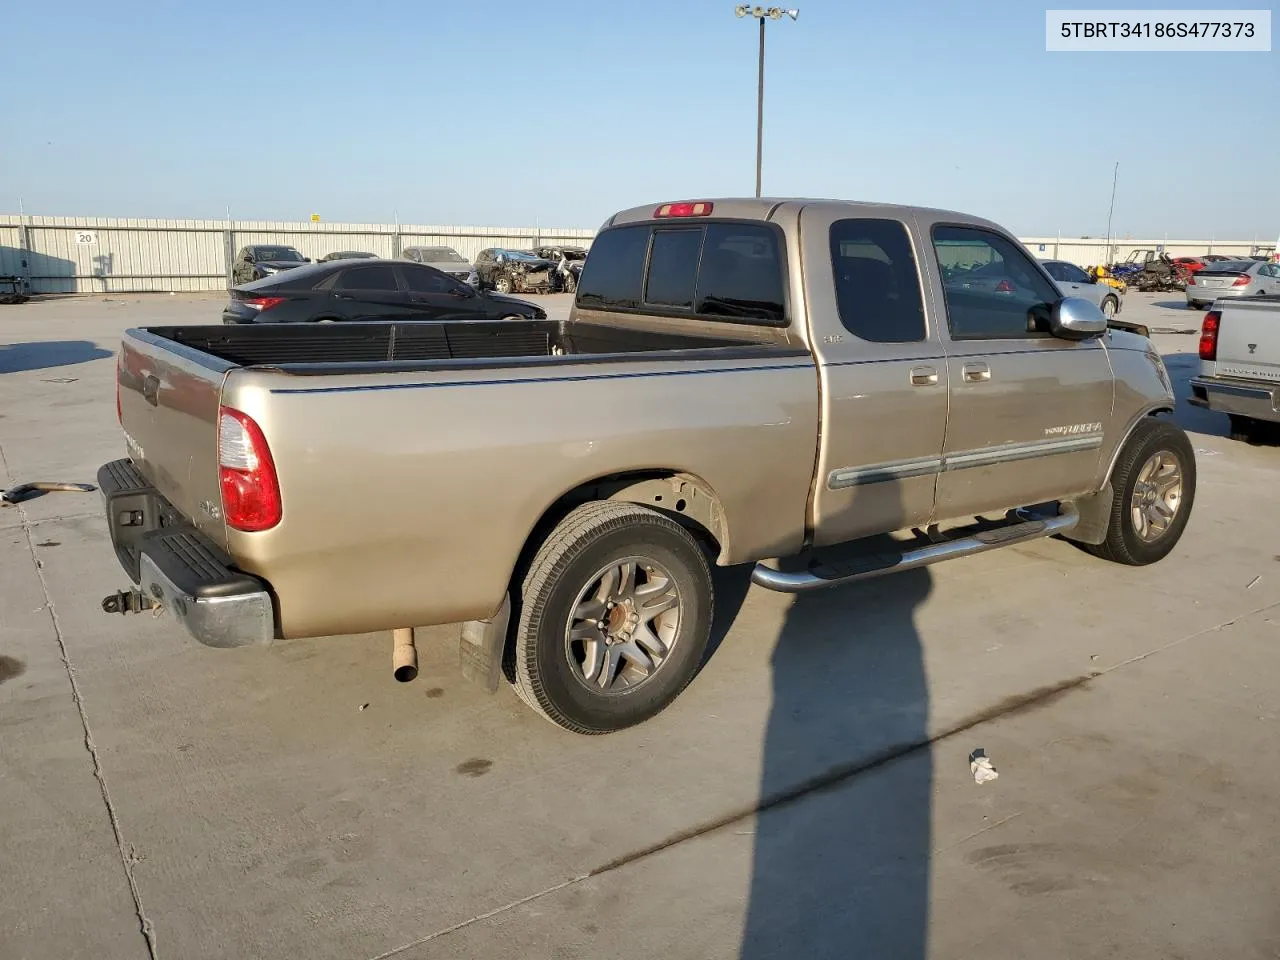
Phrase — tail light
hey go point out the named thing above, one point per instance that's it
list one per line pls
(702, 208)
(1209, 335)
(246, 473)
(1241, 280)
(263, 303)
(1004, 286)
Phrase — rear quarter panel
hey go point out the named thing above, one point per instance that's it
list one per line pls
(408, 497)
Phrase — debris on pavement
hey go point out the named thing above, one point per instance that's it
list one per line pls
(29, 491)
(363, 707)
(1253, 581)
(981, 768)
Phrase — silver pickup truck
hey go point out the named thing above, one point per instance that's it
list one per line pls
(1240, 365)
(773, 382)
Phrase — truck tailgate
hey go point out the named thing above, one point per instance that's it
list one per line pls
(1249, 340)
(168, 403)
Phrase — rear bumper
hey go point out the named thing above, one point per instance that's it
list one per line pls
(176, 565)
(1243, 398)
(1201, 294)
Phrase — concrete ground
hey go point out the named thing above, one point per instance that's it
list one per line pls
(809, 795)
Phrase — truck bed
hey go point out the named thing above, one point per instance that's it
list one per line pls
(348, 347)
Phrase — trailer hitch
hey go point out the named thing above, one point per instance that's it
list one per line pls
(130, 601)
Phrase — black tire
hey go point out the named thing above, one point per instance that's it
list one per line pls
(570, 284)
(1196, 305)
(1115, 306)
(586, 541)
(504, 285)
(1123, 544)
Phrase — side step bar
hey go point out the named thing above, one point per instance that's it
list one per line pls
(822, 575)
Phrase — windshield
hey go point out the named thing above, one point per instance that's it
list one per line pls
(439, 255)
(279, 253)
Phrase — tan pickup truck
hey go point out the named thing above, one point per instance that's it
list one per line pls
(740, 381)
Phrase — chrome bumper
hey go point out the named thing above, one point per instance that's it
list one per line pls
(178, 567)
(236, 620)
(1243, 398)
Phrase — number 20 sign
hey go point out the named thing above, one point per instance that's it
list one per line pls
(86, 236)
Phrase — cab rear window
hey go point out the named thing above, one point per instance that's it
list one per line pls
(720, 271)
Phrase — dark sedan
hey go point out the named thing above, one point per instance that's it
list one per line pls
(368, 290)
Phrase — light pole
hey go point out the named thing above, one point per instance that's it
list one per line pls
(1115, 176)
(761, 14)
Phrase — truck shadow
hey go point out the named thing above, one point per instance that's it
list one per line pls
(840, 864)
(40, 355)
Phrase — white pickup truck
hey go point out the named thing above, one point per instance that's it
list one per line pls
(1240, 365)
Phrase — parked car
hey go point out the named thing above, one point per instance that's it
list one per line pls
(347, 255)
(1232, 279)
(1239, 357)
(264, 260)
(738, 380)
(515, 271)
(1075, 282)
(1216, 258)
(1192, 264)
(568, 261)
(369, 290)
(445, 259)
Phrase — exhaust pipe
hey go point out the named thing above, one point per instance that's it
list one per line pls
(404, 655)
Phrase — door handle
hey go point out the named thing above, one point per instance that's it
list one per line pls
(923, 376)
(976, 372)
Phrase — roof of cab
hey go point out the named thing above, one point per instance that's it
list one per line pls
(763, 208)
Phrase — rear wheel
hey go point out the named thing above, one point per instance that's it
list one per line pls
(1195, 305)
(615, 618)
(570, 283)
(1155, 485)
(1109, 307)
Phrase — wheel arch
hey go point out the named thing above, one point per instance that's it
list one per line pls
(1152, 410)
(685, 497)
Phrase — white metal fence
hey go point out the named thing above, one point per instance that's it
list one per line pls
(101, 255)
(107, 255)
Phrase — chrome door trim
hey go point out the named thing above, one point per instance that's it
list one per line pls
(984, 457)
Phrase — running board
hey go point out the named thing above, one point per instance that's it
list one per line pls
(822, 575)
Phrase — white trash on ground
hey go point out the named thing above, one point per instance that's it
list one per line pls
(981, 768)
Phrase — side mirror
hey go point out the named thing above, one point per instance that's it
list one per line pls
(1074, 318)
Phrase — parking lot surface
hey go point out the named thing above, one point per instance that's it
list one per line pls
(809, 795)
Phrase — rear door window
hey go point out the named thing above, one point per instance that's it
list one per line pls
(877, 281)
(673, 268)
(380, 277)
(613, 276)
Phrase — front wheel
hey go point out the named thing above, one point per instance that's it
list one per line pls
(1109, 306)
(615, 617)
(570, 284)
(504, 285)
(1154, 484)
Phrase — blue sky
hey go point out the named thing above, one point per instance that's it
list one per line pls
(497, 112)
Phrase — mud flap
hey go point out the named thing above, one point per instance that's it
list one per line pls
(1095, 516)
(481, 646)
